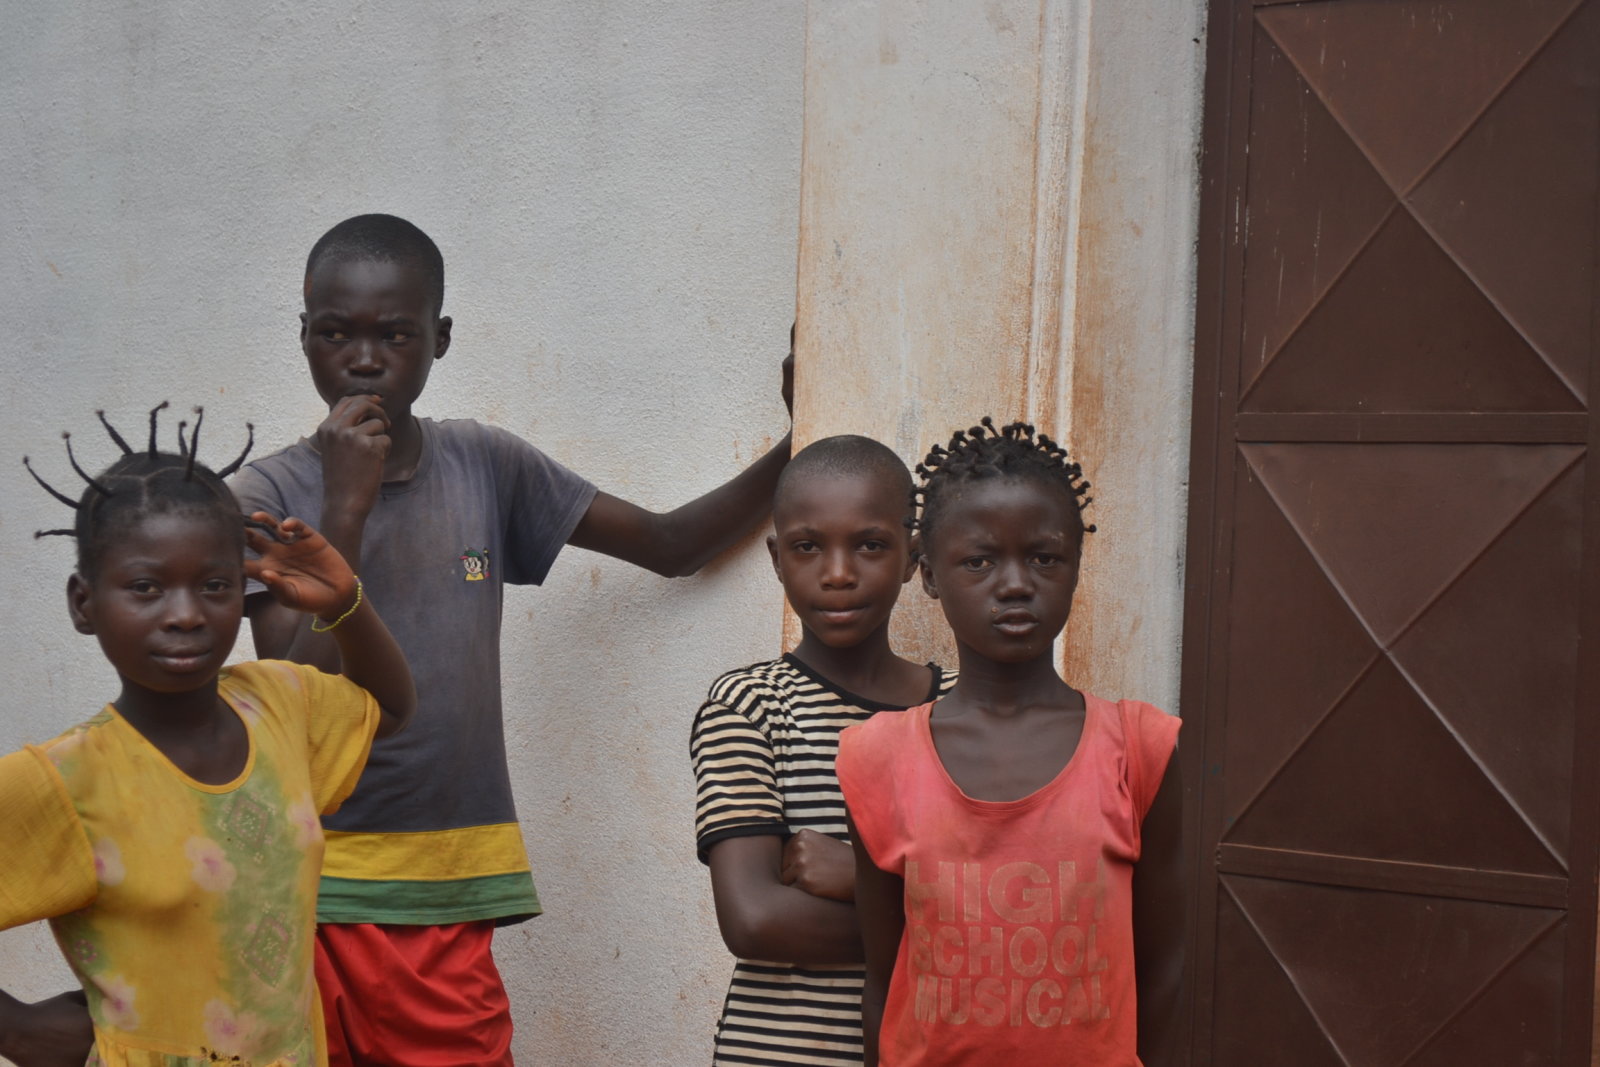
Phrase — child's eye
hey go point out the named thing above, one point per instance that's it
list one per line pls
(397, 336)
(1044, 559)
(976, 563)
(805, 546)
(874, 546)
(218, 585)
(333, 335)
(142, 586)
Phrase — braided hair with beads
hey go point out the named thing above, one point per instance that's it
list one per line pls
(1015, 450)
(143, 483)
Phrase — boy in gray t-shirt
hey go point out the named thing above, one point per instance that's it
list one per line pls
(435, 516)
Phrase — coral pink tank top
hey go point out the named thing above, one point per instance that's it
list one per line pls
(1018, 944)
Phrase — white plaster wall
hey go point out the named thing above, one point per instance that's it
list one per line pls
(614, 187)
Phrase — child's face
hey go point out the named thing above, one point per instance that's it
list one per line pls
(1003, 563)
(165, 601)
(370, 328)
(842, 552)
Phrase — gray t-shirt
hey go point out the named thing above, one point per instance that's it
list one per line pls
(483, 508)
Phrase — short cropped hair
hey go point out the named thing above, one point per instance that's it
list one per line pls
(385, 238)
(848, 454)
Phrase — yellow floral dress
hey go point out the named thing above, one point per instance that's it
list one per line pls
(187, 910)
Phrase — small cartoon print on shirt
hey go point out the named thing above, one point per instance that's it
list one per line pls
(476, 563)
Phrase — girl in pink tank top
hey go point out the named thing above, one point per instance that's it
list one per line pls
(1017, 842)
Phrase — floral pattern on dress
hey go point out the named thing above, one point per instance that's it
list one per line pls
(230, 1032)
(116, 1002)
(211, 871)
(108, 866)
(306, 822)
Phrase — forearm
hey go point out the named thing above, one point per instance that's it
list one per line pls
(704, 528)
(1160, 992)
(373, 660)
(782, 923)
(344, 530)
(13, 1023)
(880, 904)
(52, 1033)
(874, 995)
(685, 539)
(1159, 928)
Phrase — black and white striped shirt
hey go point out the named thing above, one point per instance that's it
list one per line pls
(763, 747)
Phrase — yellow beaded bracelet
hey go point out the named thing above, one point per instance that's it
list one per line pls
(328, 626)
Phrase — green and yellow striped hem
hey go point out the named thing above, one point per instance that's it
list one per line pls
(506, 898)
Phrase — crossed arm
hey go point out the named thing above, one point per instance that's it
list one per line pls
(786, 902)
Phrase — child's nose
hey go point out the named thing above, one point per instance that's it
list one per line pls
(838, 570)
(364, 359)
(183, 611)
(1014, 580)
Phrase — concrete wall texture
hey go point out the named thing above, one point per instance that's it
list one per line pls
(995, 209)
(614, 187)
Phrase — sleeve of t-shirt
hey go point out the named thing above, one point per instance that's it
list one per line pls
(49, 867)
(736, 782)
(341, 719)
(541, 503)
(1151, 735)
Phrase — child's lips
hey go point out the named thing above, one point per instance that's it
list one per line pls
(1016, 622)
(182, 660)
(841, 615)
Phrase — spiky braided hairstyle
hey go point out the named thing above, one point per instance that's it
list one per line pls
(1013, 451)
(144, 483)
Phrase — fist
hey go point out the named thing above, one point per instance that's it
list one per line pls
(819, 865)
(353, 442)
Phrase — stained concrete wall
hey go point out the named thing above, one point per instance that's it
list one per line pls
(997, 217)
(614, 187)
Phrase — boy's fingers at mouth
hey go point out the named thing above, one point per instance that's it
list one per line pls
(359, 408)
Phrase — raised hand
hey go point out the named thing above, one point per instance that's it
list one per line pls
(353, 442)
(819, 865)
(299, 567)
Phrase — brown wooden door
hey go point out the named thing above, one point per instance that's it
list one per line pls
(1394, 591)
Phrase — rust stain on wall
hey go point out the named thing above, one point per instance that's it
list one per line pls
(982, 231)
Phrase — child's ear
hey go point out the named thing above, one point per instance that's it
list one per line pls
(772, 550)
(441, 341)
(78, 604)
(913, 559)
(929, 586)
(303, 326)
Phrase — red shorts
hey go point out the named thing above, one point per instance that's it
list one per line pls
(412, 996)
